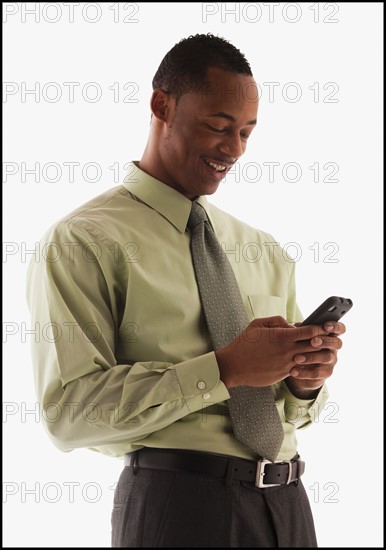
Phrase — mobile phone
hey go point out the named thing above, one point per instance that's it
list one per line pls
(331, 309)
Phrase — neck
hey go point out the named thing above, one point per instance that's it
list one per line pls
(151, 163)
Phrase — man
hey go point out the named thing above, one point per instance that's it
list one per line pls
(130, 368)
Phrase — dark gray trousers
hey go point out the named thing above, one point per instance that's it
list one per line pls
(154, 508)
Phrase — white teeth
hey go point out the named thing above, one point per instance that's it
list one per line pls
(218, 167)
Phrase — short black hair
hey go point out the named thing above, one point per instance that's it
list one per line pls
(184, 67)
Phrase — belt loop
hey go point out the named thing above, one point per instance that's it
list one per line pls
(134, 462)
(229, 472)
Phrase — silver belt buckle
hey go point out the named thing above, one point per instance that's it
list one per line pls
(260, 473)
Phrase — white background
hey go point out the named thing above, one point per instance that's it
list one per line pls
(341, 45)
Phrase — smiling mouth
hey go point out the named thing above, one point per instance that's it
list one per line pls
(218, 167)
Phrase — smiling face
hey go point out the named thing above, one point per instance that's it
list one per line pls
(198, 141)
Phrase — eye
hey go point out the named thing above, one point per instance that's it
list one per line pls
(215, 129)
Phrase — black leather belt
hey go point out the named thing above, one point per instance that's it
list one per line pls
(262, 472)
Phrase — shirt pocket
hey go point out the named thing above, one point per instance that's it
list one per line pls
(262, 305)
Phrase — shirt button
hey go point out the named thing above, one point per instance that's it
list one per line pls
(201, 385)
(206, 396)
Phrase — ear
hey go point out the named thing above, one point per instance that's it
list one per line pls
(160, 104)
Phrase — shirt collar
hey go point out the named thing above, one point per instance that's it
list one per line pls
(171, 204)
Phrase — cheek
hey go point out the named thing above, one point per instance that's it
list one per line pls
(190, 142)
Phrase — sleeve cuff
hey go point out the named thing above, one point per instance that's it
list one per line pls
(199, 380)
(303, 412)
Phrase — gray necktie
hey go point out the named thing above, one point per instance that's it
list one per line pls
(254, 416)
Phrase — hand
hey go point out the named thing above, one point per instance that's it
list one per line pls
(264, 352)
(314, 368)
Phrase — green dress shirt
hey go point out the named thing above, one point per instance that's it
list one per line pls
(123, 359)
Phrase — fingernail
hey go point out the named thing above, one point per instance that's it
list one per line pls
(295, 373)
(329, 326)
(317, 341)
(300, 358)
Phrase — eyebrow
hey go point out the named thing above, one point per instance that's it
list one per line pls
(221, 114)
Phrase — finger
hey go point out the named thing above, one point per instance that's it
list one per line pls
(324, 357)
(315, 372)
(271, 322)
(335, 327)
(329, 342)
(296, 334)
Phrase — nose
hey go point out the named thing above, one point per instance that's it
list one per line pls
(232, 145)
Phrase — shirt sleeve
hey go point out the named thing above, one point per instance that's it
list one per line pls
(301, 413)
(87, 399)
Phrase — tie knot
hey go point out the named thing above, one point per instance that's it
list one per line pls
(197, 215)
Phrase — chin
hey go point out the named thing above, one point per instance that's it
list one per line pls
(208, 188)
